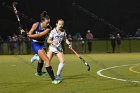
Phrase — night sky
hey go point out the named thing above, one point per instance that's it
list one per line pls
(123, 14)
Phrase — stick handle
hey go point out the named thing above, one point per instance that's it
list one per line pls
(16, 13)
(75, 52)
(88, 67)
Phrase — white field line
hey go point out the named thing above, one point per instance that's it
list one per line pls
(113, 78)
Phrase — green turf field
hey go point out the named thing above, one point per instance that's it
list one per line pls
(17, 75)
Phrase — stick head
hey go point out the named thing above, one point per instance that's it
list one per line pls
(88, 67)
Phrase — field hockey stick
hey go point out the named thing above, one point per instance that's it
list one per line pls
(16, 13)
(18, 19)
(31, 20)
(88, 66)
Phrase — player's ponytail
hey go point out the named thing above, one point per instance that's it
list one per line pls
(44, 16)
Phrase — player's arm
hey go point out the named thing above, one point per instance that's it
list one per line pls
(34, 26)
(22, 31)
(40, 34)
(67, 42)
(49, 40)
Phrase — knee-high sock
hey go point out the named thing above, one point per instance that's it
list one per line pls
(50, 72)
(60, 67)
(39, 67)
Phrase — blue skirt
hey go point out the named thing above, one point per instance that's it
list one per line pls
(37, 46)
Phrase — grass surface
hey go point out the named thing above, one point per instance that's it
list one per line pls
(17, 75)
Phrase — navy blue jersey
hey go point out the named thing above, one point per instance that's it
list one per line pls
(39, 30)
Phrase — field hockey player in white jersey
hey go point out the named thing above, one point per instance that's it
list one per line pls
(55, 38)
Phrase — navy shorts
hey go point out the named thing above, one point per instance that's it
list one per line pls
(37, 46)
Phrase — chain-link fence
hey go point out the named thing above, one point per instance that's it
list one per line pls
(98, 46)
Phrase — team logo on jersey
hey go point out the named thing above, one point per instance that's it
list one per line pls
(58, 38)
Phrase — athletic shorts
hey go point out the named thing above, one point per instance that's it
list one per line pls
(55, 49)
(37, 46)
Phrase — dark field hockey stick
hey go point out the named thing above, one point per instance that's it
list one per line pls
(16, 13)
(82, 60)
(18, 19)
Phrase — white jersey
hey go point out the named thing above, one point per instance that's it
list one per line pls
(58, 37)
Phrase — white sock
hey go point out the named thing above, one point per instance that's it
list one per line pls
(60, 67)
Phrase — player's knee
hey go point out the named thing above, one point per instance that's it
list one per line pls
(46, 60)
(47, 63)
(40, 61)
(62, 61)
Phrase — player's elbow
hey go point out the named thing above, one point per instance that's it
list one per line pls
(49, 41)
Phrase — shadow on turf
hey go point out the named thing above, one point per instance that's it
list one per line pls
(79, 76)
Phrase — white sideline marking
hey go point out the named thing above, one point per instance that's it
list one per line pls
(100, 74)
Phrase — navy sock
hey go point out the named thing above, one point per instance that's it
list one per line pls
(39, 67)
(50, 72)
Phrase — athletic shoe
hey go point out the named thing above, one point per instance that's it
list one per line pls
(58, 77)
(56, 81)
(41, 74)
(34, 58)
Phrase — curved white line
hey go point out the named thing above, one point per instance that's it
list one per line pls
(131, 69)
(100, 74)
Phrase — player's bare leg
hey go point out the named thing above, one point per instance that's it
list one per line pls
(50, 55)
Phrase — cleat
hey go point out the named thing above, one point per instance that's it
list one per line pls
(37, 74)
(41, 74)
(58, 77)
(56, 81)
(34, 58)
